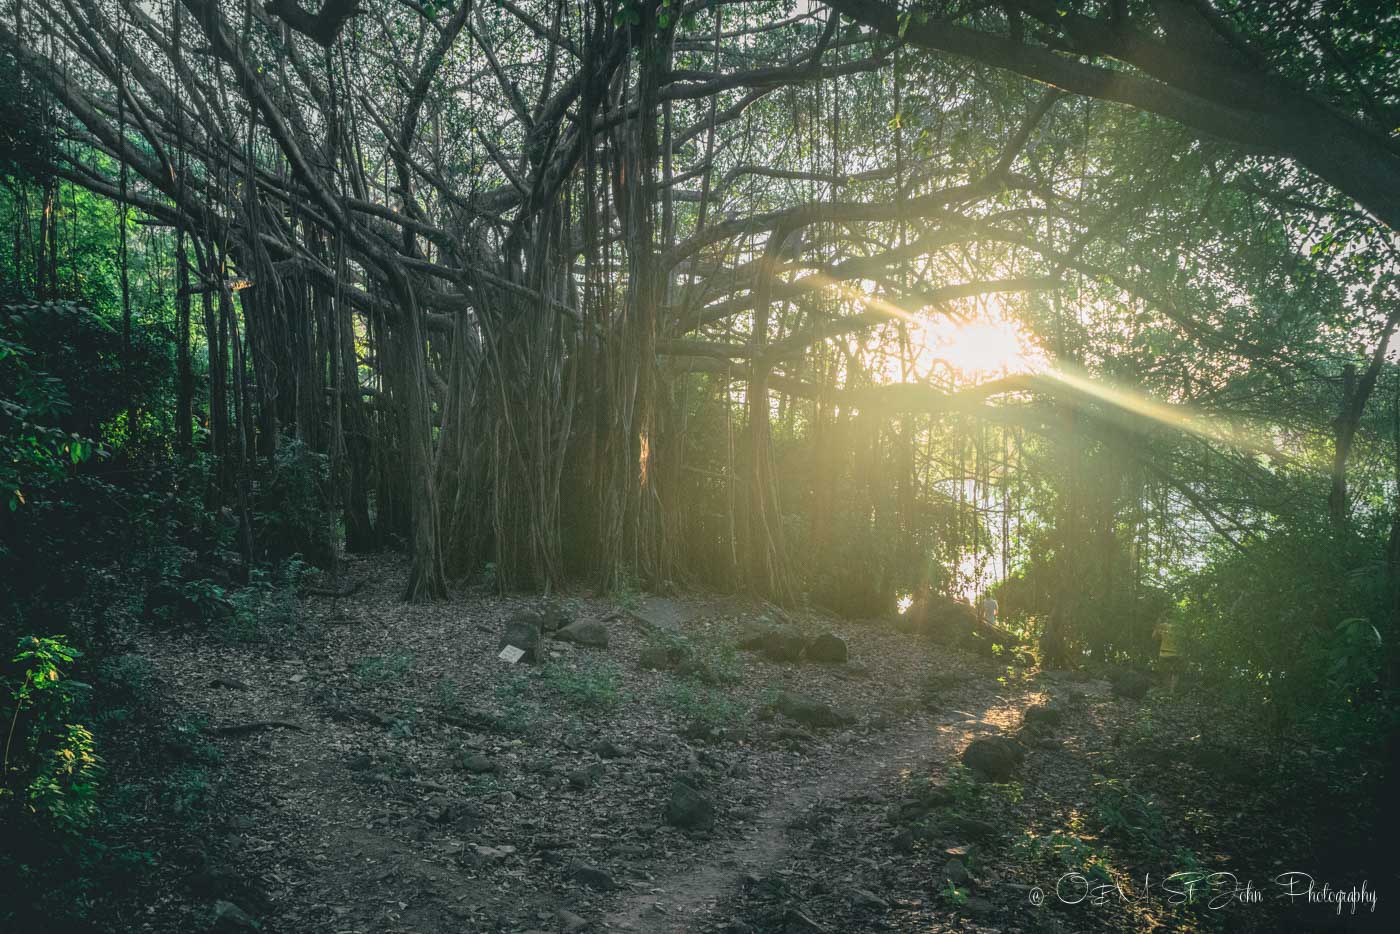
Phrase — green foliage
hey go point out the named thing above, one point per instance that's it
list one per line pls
(291, 515)
(27, 122)
(593, 687)
(976, 798)
(55, 760)
(702, 709)
(1129, 816)
(1067, 853)
(384, 668)
(954, 895)
(1298, 627)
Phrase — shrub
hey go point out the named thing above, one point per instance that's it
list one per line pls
(292, 509)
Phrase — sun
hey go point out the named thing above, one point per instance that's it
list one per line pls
(977, 347)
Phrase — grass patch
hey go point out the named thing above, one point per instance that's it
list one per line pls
(596, 688)
(379, 668)
(702, 708)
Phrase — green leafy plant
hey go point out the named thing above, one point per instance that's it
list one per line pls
(700, 707)
(1129, 815)
(596, 687)
(378, 668)
(56, 762)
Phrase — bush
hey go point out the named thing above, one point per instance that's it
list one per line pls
(48, 792)
(292, 514)
(1297, 626)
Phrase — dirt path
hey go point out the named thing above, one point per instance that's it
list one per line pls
(433, 787)
(694, 899)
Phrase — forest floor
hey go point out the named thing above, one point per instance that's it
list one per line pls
(376, 767)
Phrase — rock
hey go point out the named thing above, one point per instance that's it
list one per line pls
(609, 750)
(784, 645)
(828, 649)
(229, 917)
(593, 877)
(553, 616)
(1043, 715)
(587, 632)
(955, 871)
(1130, 684)
(580, 779)
(666, 657)
(945, 619)
(753, 635)
(689, 809)
(778, 643)
(903, 842)
(523, 632)
(810, 712)
(570, 922)
(867, 900)
(477, 764)
(359, 763)
(994, 758)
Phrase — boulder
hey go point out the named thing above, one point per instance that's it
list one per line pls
(523, 632)
(811, 712)
(828, 649)
(994, 758)
(587, 632)
(478, 764)
(784, 645)
(593, 877)
(973, 828)
(946, 619)
(1130, 684)
(1043, 715)
(689, 809)
(579, 779)
(753, 635)
(569, 922)
(666, 657)
(777, 643)
(607, 749)
(554, 616)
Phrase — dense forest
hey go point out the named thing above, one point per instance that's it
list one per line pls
(850, 315)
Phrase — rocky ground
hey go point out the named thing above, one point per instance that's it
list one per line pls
(717, 766)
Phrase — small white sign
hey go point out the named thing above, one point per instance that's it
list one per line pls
(512, 654)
